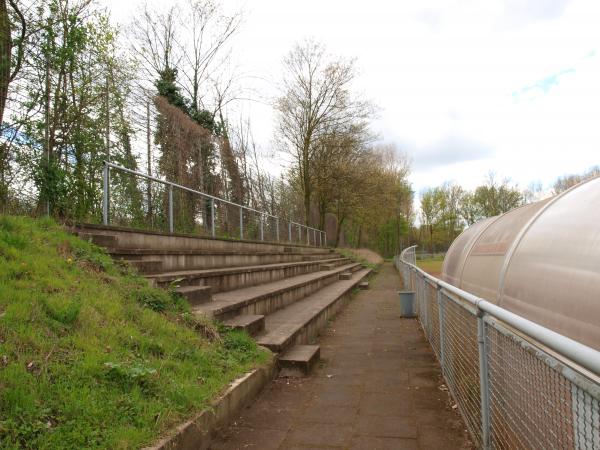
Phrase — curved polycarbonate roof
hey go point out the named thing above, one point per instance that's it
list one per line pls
(541, 261)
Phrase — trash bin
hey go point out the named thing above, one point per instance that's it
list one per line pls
(407, 303)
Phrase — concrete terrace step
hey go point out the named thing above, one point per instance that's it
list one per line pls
(103, 240)
(180, 260)
(300, 322)
(227, 279)
(299, 360)
(251, 323)
(150, 251)
(270, 297)
(196, 295)
(136, 239)
(146, 266)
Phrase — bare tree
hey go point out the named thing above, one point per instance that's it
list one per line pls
(206, 32)
(315, 100)
(154, 41)
(568, 181)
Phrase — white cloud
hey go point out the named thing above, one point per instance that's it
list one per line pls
(450, 149)
(464, 86)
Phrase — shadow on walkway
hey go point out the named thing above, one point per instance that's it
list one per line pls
(378, 386)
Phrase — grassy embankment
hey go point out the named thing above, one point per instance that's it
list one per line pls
(90, 355)
(432, 266)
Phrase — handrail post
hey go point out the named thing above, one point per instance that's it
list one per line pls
(325, 238)
(212, 217)
(441, 315)
(241, 222)
(171, 225)
(105, 199)
(483, 380)
(299, 233)
(290, 232)
(307, 236)
(262, 236)
(277, 228)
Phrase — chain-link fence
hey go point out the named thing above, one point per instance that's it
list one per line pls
(517, 385)
(169, 207)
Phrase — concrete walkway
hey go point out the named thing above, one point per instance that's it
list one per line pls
(378, 387)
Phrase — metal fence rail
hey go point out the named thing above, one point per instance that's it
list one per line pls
(181, 209)
(517, 384)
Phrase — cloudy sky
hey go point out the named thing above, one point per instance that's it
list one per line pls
(464, 87)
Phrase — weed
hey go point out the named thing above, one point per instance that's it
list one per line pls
(129, 374)
(63, 308)
(152, 298)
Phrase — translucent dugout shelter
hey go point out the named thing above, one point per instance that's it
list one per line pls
(541, 261)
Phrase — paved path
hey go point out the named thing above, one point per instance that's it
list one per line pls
(377, 387)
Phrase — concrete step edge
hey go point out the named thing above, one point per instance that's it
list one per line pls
(251, 323)
(227, 307)
(207, 252)
(204, 273)
(299, 360)
(293, 329)
(196, 295)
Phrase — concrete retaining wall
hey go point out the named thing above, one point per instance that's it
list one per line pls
(197, 433)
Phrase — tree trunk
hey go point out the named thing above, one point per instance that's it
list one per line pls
(431, 248)
(5, 56)
(339, 231)
(322, 212)
(306, 180)
(306, 204)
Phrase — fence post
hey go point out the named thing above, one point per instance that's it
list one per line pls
(325, 233)
(241, 223)
(299, 233)
(262, 236)
(277, 228)
(420, 302)
(307, 236)
(212, 217)
(290, 232)
(171, 227)
(105, 194)
(440, 301)
(483, 380)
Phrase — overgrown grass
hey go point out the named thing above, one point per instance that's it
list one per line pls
(432, 266)
(90, 356)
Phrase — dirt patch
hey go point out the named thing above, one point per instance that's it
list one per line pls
(364, 253)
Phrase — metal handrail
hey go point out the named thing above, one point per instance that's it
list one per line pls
(106, 205)
(584, 356)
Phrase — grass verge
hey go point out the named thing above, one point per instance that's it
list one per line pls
(432, 266)
(90, 355)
